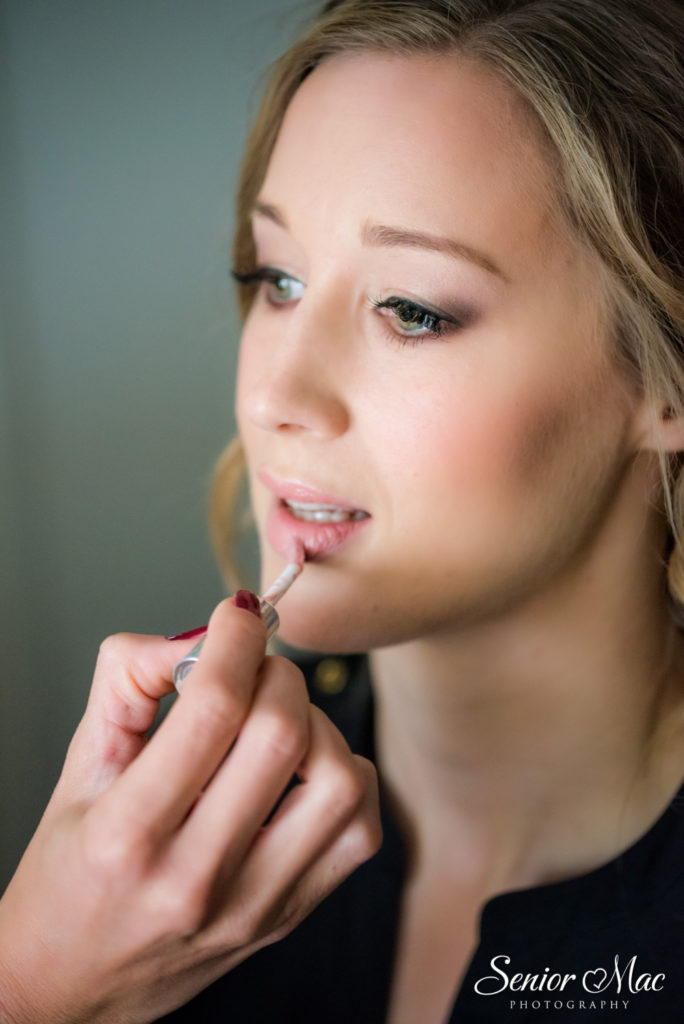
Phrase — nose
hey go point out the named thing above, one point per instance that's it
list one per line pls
(291, 374)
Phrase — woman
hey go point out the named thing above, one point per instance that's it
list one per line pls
(461, 389)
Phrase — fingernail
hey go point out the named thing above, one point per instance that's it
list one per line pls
(188, 633)
(246, 599)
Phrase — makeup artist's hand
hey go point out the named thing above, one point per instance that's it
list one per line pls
(151, 872)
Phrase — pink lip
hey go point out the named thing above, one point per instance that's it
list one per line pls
(283, 528)
(319, 539)
(294, 490)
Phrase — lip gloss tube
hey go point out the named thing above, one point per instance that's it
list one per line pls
(268, 614)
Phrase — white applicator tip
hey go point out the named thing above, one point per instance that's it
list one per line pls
(296, 551)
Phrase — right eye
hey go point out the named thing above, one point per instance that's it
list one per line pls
(280, 288)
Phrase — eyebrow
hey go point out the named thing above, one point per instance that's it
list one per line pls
(400, 237)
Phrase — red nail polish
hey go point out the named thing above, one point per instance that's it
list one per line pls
(246, 599)
(188, 633)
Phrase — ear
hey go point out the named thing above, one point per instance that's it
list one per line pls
(659, 428)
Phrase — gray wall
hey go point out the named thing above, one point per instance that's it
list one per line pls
(121, 127)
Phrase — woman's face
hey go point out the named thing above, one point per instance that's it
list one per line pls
(428, 351)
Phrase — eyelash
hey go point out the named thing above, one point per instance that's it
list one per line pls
(433, 327)
(263, 275)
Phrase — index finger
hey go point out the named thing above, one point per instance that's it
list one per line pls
(153, 796)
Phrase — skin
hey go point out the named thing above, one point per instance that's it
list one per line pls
(510, 583)
(151, 873)
(492, 437)
(509, 588)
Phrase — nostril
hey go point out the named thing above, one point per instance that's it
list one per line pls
(286, 407)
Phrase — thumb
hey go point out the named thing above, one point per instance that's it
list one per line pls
(132, 674)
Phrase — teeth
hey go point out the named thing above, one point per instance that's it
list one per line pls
(311, 506)
(312, 512)
(338, 516)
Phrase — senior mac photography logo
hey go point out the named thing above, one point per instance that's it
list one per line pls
(606, 987)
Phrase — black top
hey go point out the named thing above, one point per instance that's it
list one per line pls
(617, 932)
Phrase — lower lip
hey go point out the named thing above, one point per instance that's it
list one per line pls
(319, 539)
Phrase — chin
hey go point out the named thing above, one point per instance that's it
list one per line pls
(325, 634)
(342, 629)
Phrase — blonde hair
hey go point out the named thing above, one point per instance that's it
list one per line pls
(605, 81)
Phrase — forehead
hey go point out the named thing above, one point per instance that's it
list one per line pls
(438, 140)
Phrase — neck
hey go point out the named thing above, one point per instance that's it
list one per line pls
(531, 747)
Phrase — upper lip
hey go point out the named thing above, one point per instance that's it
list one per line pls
(296, 490)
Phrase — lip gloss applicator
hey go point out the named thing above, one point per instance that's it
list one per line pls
(266, 605)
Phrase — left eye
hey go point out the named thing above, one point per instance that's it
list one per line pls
(412, 320)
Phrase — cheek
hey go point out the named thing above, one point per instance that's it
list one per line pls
(545, 440)
(486, 454)
(244, 374)
(249, 434)
(247, 409)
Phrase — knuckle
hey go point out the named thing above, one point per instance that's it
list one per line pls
(284, 734)
(111, 852)
(363, 836)
(279, 932)
(179, 906)
(290, 672)
(247, 926)
(363, 839)
(260, 923)
(369, 774)
(288, 920)
(218, 710)
(346, 787)
(113, 647)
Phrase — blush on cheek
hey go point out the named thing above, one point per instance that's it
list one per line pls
(494, 459)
